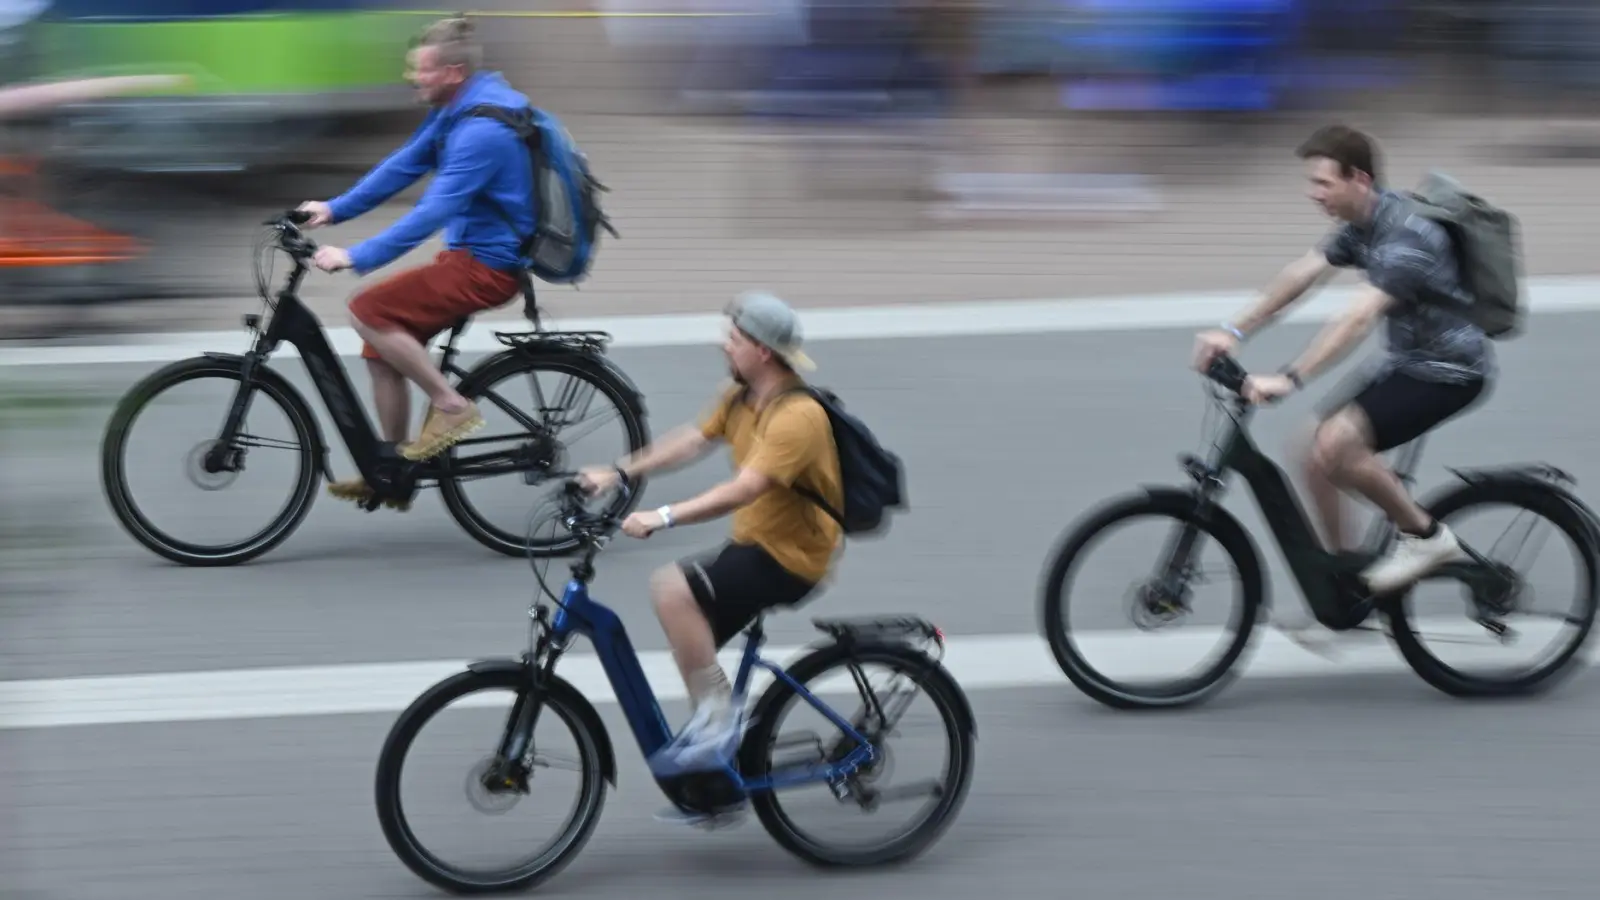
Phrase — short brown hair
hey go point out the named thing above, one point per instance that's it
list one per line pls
(455, 41)
(1352, 150)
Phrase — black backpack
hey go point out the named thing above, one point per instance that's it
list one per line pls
(871, 474)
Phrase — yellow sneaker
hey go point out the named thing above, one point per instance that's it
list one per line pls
(441, 431)
(356, 490)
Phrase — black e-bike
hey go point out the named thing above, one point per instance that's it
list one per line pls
(535, 452)
(1330, 582)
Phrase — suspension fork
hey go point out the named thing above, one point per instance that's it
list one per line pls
(516, 741)
(219, 457)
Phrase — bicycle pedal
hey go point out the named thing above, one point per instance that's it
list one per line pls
(705, 821)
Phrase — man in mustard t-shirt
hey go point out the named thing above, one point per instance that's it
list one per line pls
(782, 544)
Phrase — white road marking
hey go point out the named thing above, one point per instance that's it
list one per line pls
(911, 320)
(979, 663)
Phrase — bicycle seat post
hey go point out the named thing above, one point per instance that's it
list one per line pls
(447, 350)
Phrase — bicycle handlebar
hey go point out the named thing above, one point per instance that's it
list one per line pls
(587, 526)
(291, 239)
(1228, 373)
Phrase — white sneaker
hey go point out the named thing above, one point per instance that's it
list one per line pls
(1411, 558)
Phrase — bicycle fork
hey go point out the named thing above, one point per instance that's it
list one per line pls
(513, 757)
(224, 456)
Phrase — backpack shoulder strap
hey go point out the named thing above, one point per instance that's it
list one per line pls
(806, 492)
(525, 126)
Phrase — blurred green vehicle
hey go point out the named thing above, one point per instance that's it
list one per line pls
(269, 77)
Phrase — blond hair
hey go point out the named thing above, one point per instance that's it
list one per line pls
(455, 41)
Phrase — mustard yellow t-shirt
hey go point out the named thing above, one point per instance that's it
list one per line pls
(791, 442)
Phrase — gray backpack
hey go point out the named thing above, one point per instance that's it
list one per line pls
(1488, 251)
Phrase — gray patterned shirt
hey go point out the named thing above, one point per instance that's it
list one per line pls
(1411, 259)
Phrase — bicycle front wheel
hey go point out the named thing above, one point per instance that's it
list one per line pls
(494, 785)
(302, 452)
(1161, 598)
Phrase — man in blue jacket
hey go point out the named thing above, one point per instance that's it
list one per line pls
(483, 179)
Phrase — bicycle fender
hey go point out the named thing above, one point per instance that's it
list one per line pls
(1543, 476)
(268, 375)
(563, 691)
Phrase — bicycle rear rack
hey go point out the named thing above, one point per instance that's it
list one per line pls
(577, 341)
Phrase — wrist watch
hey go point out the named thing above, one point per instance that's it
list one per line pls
(1293, 376)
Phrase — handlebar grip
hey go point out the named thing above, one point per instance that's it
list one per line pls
(1226, 371)
(297, 216)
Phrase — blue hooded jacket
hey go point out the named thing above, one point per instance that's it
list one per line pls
(483, 178)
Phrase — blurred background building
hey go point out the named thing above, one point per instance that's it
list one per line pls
(839, 150)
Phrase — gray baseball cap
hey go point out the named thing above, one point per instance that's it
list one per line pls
(772, 323)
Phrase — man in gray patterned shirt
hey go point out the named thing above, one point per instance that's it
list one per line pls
(1436, 365)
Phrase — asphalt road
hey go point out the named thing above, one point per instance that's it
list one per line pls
(1372, 786)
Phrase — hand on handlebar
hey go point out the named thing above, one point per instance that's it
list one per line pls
(643, 524)
(1210, 344)
(332, 259)
(1264, 389)
(319, 214)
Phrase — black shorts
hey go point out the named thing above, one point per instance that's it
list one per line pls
(1401, 408)
(738, 582)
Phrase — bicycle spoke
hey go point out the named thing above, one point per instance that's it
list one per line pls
(249, 440)
(582, 434)
(543, 761)
(575, 387)
(1510, 564)
(916, 790)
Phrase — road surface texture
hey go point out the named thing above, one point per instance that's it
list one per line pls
(1349, 783)
(710, 206)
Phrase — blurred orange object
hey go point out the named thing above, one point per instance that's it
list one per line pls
(34, 235)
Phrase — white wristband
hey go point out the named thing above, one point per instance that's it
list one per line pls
(665, 513)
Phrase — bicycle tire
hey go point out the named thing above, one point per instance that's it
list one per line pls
(1540, 500)
(113, 463)
(391, 762)
(1075, 544)
(755, 752)
(508, 365)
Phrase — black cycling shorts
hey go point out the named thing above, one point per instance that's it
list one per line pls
(1401, 408)
(738, 582)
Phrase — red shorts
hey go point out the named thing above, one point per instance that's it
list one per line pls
(428, 299)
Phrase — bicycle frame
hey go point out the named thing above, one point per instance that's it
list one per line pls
(581, 614)
(293, 322)
(1325, 578)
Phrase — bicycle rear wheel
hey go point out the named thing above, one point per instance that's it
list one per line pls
(761, 745)
(536, 451)
(1492, 601)
(267, 385)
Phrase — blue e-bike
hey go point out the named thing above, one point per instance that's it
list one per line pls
(848, 765)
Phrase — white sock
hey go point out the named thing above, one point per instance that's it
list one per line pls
(710, 687)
